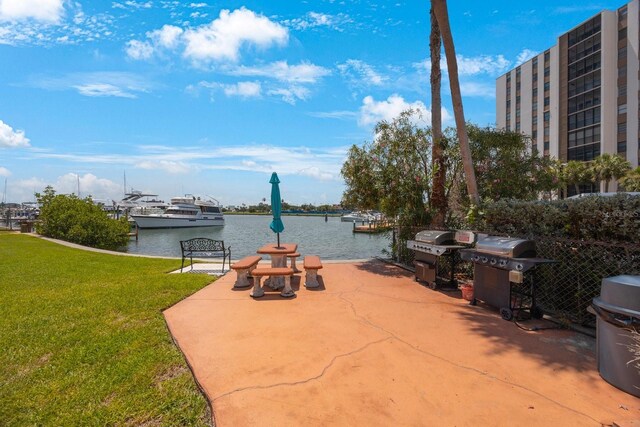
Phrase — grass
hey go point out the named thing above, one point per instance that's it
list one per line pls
(84, 342)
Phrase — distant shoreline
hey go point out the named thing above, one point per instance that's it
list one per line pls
(283, 214)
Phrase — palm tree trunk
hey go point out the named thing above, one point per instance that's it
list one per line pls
(442, 15)
(438, 198)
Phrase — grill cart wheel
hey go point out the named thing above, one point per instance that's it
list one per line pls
(536, 312)
(506, 313)
(433, 285)
(473, 302)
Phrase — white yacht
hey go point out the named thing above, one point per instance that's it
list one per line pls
(138, 203)
(357, 216)
(187, 211)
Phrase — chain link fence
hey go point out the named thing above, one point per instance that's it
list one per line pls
(564, 289)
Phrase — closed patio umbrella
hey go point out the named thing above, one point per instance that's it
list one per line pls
(276, 206)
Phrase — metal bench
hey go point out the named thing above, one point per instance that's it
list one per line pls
(202, 247)
(285, 272)
(244, 267)
(312, 264)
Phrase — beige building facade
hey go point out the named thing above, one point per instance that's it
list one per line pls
(579, 98)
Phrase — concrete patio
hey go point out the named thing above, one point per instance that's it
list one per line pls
(373, 347)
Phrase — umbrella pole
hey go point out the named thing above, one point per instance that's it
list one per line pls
(278, 239)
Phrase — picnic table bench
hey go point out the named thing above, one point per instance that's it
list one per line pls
(243, 268)
(259, 273)
(202, 247)
(312, 264)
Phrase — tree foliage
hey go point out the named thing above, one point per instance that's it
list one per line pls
(79, 221)
(392, 173)
(607, 167)
(631, 181)
(506, 167)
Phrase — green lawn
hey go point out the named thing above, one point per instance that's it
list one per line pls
(83, 340)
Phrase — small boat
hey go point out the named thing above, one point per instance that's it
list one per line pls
(358, 216)
(187, 211)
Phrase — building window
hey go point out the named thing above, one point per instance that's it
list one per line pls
(547, 86)
(547, 55)
(622, 127)
(622, 109)
(622, 146)
(622, 34)
(622, 90)
(547, 116)
(622, 71)
(546, 101)
(547, 71)
(622, 52)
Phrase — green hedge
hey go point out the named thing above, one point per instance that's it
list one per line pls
(605, 219)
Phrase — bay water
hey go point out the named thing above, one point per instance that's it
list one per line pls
(331, 239)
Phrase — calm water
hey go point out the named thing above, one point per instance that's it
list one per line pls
(246, 233)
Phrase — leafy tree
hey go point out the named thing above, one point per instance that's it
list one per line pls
(79, 221)
(391, 174)
(506, 167)
(631, 180)
(607, 167)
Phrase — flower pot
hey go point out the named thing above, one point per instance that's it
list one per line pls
(467, 291)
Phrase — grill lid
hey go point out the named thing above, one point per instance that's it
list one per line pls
(435, 237)
(505, 246)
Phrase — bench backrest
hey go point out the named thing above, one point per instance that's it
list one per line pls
(202, 244)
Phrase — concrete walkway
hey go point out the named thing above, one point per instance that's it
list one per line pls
(373, 347)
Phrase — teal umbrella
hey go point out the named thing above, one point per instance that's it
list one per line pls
(276, 206)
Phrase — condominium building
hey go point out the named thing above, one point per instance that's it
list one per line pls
(579, 98)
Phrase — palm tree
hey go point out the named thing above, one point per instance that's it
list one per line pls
(438, 198)
(607, 167)
(631, 180)
(575, 173)
(442, 16)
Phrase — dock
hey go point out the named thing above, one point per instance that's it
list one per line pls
(372, 227)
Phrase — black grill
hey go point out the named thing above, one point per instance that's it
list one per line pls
(504, 274)
(436, 255)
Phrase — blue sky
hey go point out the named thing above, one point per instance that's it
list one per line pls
(210, 97)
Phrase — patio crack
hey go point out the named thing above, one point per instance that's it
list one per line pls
(458, 365)
(294, 383)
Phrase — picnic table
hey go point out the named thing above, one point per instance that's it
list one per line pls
(278, 256)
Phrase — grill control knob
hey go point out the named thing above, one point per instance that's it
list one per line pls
(476, 258)
(503, 262)
(484, 259)
(519, 267)
(493, 261)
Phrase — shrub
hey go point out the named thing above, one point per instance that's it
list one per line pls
(79, 221)
(606, 219)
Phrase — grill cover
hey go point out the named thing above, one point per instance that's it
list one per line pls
(435, 237)
(505, 246)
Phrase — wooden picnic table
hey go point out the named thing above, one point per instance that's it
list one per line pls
(278, 256)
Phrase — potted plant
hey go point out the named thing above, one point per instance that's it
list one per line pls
(467, 290)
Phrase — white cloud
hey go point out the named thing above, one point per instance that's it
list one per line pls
(525, 55)
(291, 94)
(315, 19)
(372, 111)
(304, 72)
(49, 11)
(103, 89)
(131, 4)
(10, 138)
(243, 89)
(106, 83)
(90, 185)
(484, 90)
(4, 172)
(340, 115)
(139, 50)
(361, 74)
(169, 166)
(168, 36)
(223, 38)
(487, 64)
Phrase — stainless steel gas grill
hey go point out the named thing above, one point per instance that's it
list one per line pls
(436, 255)
(503, 274)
